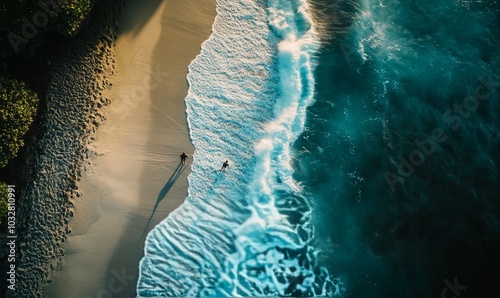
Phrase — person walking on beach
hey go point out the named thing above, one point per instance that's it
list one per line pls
(183, 158)
(224, 166)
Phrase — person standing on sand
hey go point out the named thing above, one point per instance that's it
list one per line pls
(224, 166)
(183, 158)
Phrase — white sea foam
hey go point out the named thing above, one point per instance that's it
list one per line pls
(245, 231)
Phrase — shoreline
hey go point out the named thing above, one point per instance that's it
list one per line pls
(133, 181)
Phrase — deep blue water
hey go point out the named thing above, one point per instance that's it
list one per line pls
(395, 77)
(363, 144)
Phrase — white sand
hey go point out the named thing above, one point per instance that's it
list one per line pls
(137, 149)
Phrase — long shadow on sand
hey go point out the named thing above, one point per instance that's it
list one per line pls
(163, 193)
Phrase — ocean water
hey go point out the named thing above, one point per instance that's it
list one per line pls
(400, 153)
(363, 144)
(245, 231)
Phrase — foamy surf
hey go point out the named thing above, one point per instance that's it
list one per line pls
(244, 232)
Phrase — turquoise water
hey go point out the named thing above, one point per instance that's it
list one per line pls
(363, 144)
(245, 231)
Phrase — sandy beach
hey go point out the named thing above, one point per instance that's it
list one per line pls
(133, 180)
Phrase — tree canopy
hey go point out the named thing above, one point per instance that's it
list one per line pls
(18, 106)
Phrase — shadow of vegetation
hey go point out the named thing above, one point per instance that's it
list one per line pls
(142, 14)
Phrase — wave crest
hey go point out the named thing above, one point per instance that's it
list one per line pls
(246, 231)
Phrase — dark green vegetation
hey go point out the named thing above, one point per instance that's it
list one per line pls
(30, 31)
(18, 105)
(26, 24)
(4, 192)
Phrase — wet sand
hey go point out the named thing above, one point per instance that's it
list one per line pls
(133, 180)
